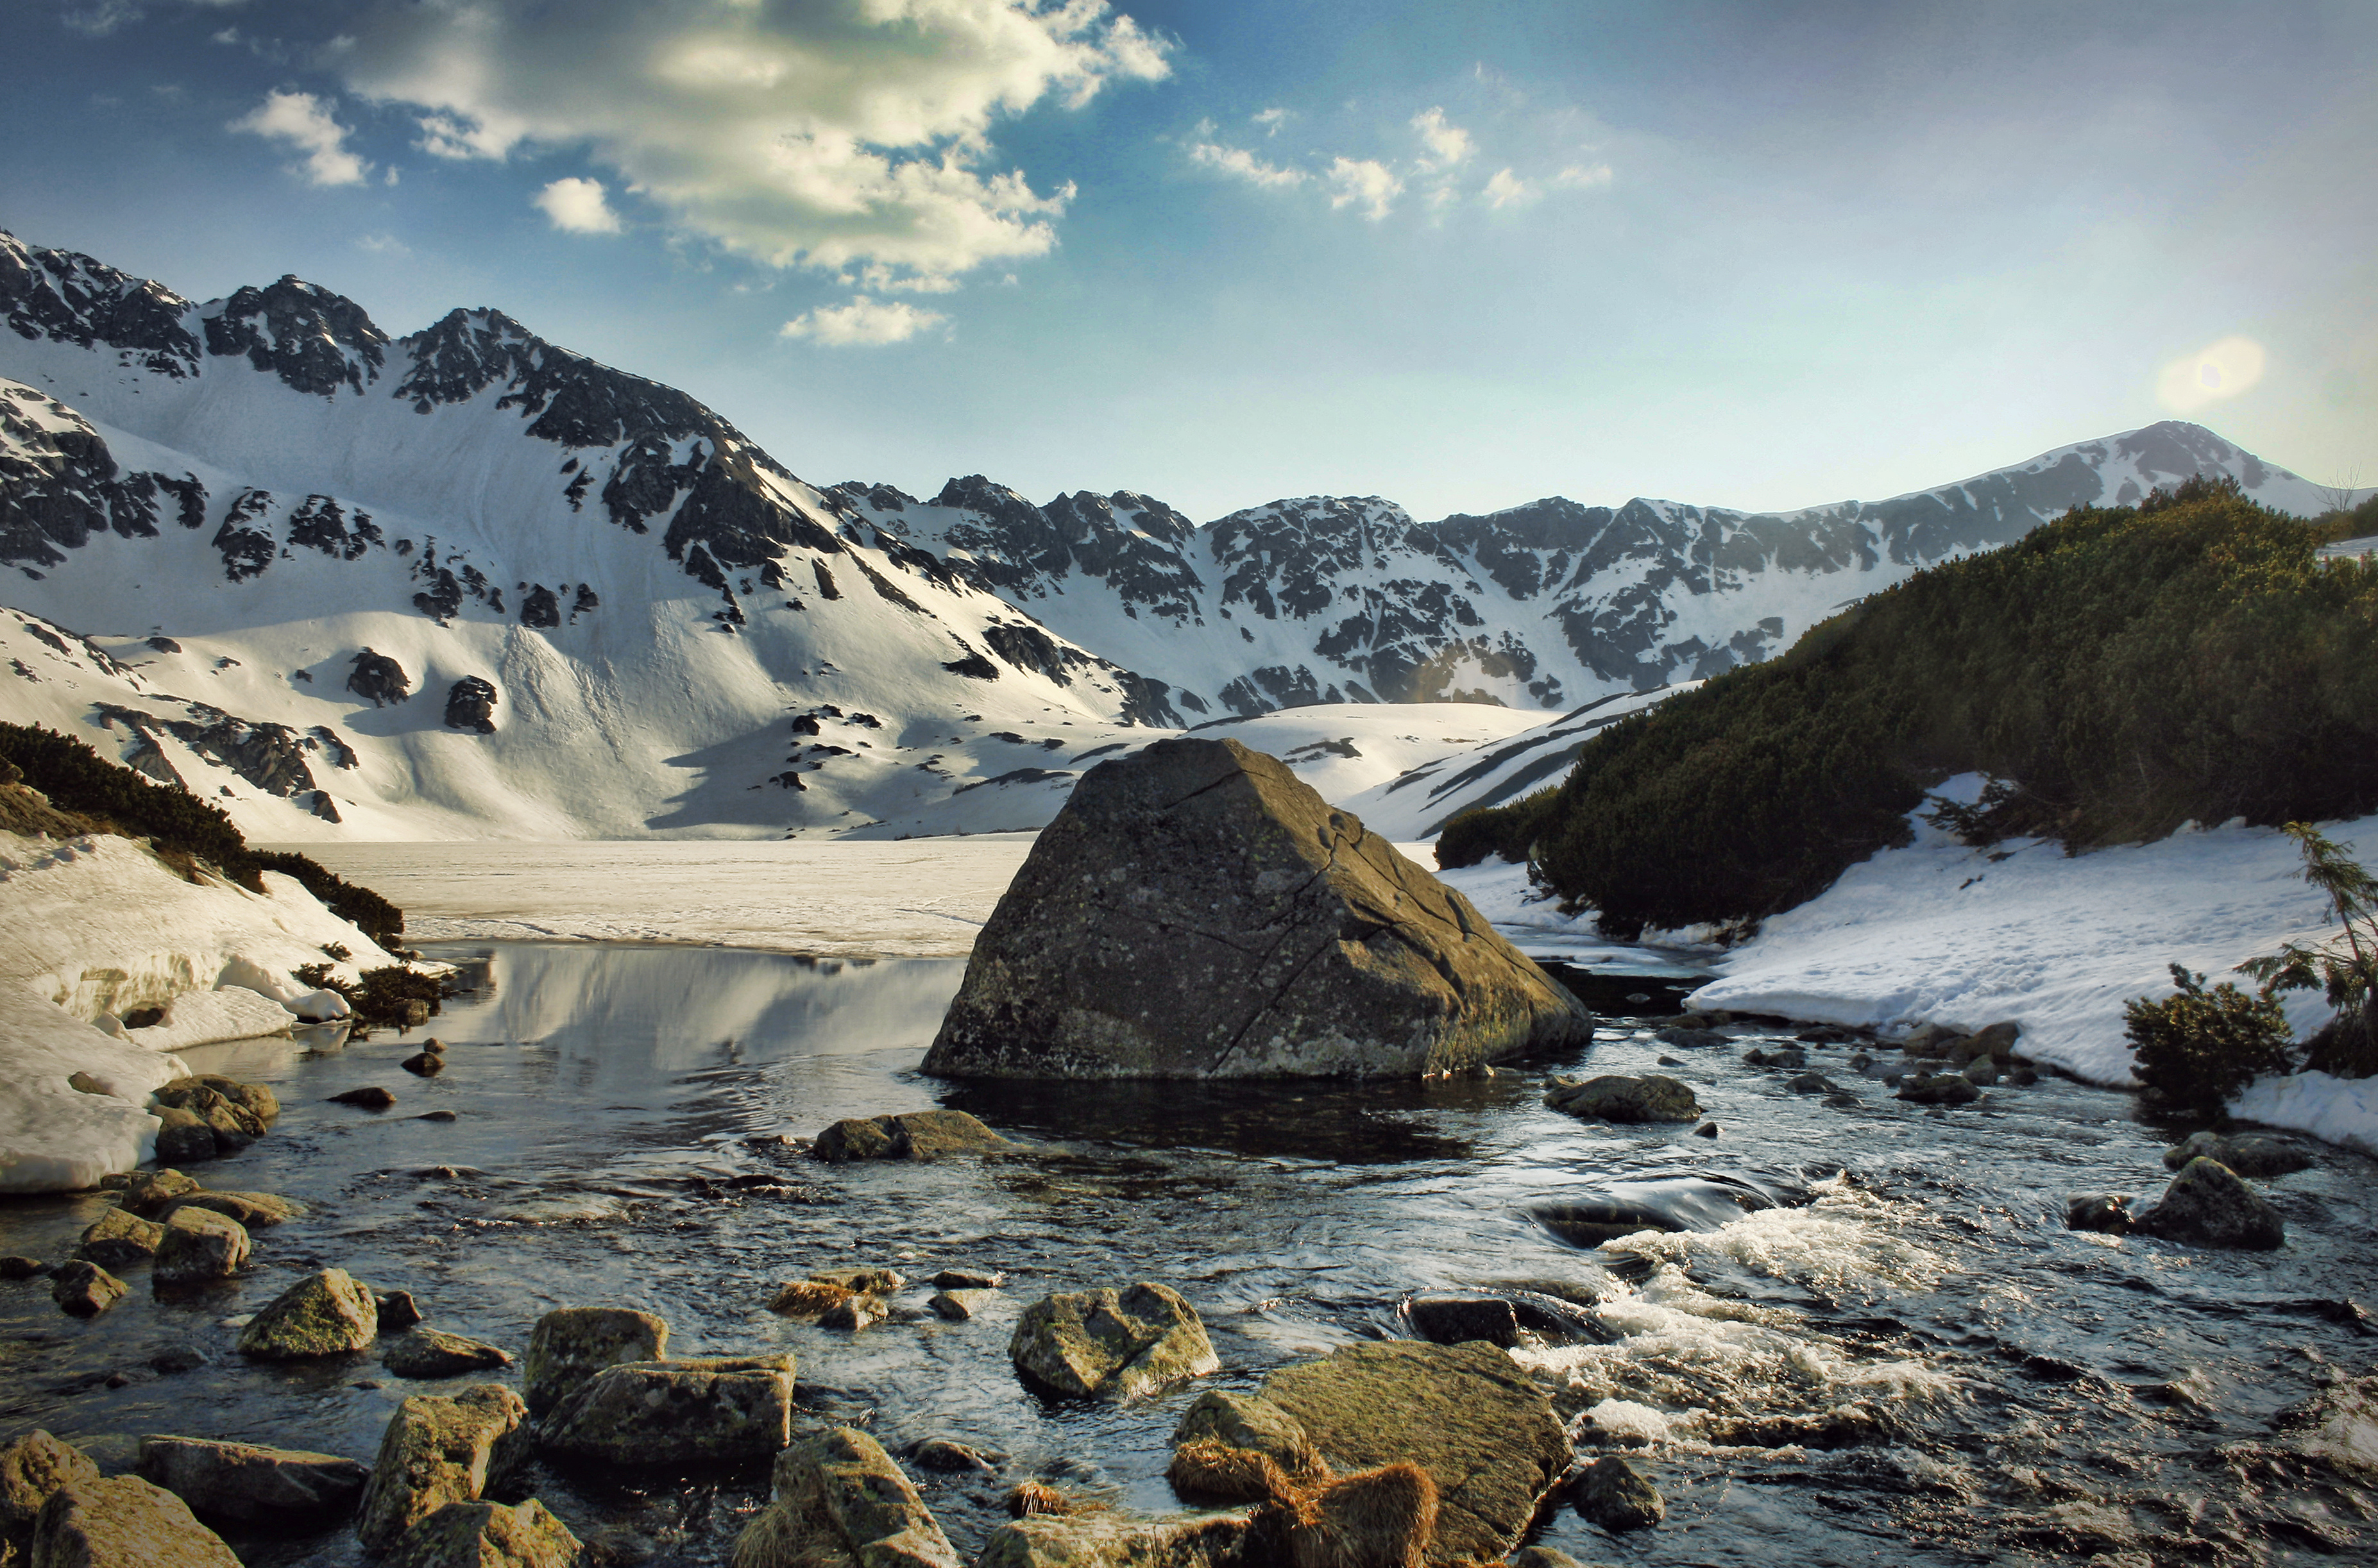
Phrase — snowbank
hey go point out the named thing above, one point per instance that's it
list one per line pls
(1938, 932)
(95, 928)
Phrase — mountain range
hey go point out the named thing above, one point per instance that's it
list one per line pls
(468, 583)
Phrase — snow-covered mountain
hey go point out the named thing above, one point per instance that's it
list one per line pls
(469, 583)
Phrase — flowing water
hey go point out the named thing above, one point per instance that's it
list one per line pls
(1896, 1283)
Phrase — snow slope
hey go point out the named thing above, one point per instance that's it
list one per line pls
(92, 927)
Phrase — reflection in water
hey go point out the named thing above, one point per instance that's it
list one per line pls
(1896, 1283)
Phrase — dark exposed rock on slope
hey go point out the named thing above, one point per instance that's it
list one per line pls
(1197, 911)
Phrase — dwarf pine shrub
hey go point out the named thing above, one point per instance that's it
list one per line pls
(2197, 1048)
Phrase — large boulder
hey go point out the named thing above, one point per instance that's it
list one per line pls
(440, 1451)
(2208, 1205)
(1616, 1097)
(1112, 1345)
(123, 1523)
(690, 1412)
(912, 1135)
(147, 1192)
(488, 1534)
(239, 1480)
(1197, 911)
(252, 1209)
(571, 1344)
(323, 1314)
(838, 1498)
(1462, 1413)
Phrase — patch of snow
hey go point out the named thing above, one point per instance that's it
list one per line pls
(96, 927)
(1938, 932)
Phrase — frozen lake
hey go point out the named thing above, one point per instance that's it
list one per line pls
(918, 898)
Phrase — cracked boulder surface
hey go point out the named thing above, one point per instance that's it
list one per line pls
(1197, 911)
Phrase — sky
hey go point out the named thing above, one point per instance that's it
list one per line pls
(1751, 255)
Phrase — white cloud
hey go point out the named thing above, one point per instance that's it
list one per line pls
(843, 134)
(303, 122)
(576, 206)
(1582, 177)
(2216, 372)
(1270, 119)
(1241, 164)
(99, 20)
(383, 244)
(1506, 189)
(1364, 183)
(1447, 145)
(863, 323)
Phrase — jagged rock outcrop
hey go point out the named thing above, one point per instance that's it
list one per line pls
(471, 705)
(1197, 911)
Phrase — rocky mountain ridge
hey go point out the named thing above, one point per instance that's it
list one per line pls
(579, 562)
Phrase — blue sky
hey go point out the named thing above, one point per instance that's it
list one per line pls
(1462, 257)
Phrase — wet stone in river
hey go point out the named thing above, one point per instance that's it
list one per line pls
(433, 1353)
(123, 1521)
(323, 1314)
(239, 1480)
(1110, 1343)
(571, 1344)
(438, 1451)
(83, 1289)
(488, 1534)
(689, 1412)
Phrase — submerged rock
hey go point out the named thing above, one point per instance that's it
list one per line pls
(433, 1353)
(690, 1412)
(2258, 1154)
(572, 1344)
(913, 1136)
(200, 1245)
(2106, 1212)
(440, 1451)
(149, 1192)
(83, 1289)
(239, 1480)
(123, 1523)
(1462, 1413)
(488, 1534)
(118, 1237)
(252, 1209)
(1112, 1345)
(1938, 1089)
(1197, 911)
(1614, 1097)
(371, 1098)
(323, 1314)
(2208, 1205)
(1108, 1540)
(839, 1498)
(1615, 1495)
(182, 1137)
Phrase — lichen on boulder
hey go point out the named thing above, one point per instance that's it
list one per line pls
(323, 1314)
(1112, 1345)
(1197, 911)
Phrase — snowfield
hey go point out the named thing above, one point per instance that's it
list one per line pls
(95, 927)
(1939, 933)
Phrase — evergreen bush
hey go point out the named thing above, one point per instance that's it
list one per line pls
(2195, 1051)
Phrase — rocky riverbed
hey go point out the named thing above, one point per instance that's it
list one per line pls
(1871, 1336)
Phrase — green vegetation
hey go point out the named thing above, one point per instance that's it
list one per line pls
(2195, 1050)
(2118, 672)
(384, 995)
(2345, 966)
(182, 827)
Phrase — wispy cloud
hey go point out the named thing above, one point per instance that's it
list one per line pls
(862, 323)
(843, 137)
(1270, 119)
(577, 206)
(1241, 164)
(1582, 177)
(1365, 184)
(1444, 145)
(1507, 189)
(304, 123)
(383, 244)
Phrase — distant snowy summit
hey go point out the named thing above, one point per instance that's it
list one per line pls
(468, 583)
